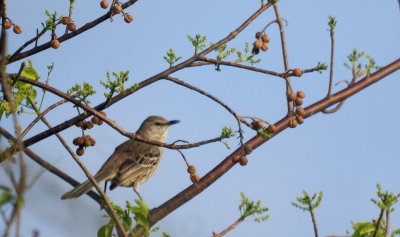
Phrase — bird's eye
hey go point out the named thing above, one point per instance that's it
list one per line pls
(158, 124)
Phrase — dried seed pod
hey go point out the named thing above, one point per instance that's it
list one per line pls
(191, 169)
(235, 158)
(300, 112)
(195, 178)
(271, 129)
(298, 101)
(243, 161)
(297, 72)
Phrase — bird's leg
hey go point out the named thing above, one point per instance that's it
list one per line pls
(136, 189)
(140, 197)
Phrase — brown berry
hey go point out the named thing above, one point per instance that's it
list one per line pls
(17, 29)
(65, 20)
(292, 96)
(79, 124)
(300, 112)
(88, 124)
(264, 47)
(292, 122)
(100, 122)
(258, 35)
(271, 128)
(255, 51)
(92, 142)
(95, 120)
(80, 151)
(86, 142)
(243, 161)
(257, 44)
(300, 120)
(265, 38)
(235, 158)
(104, 4)
(7, 25)
(191, 169)
(247, 149)
(71, 26)
(297, 72)
(195, 178)
(301, 94)
(128, 18)
(78, 141)
(117, 9)
(55, 43)
(298, 101)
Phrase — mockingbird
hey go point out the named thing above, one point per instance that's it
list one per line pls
(132, 162)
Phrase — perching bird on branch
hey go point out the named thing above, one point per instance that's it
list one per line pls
(133, 162)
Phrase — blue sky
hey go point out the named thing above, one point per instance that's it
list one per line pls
(344, 154)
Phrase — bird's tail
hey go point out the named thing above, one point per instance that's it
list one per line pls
(85, 186)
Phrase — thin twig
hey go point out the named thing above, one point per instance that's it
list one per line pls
(314, 222)
(229, 228)
(378, 223)
(331, 69)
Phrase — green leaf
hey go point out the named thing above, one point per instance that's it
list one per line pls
(30, 72)
(5, 197)
(105, 230)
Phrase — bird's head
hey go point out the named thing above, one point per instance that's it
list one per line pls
(156, 128)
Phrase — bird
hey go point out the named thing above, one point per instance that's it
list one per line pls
(132, 162)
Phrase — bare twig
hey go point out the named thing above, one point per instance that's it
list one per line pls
(229, 228)
(378, 223)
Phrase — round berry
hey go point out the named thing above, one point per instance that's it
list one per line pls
(95, 120)
(7, 25)
(265, 38)
(55, 43)
(292, 96)
(79, 124)
(195, 178)
(128, 18)
(78, 141)
(297, 72)
(298, 101)
(80, 151)
(117, 9)
(71, 26)
(235, 158)
(243, 161)
(247, 149)
(300, 112)
(104, 4)
(191, 169)
(17, 29)
(300, 120)
(257, 44)
(271, 128)
(301, 94)
(264, 46)
(65, 20)
(86, 142)
(255, 51)
(292, 122)
(258, 35)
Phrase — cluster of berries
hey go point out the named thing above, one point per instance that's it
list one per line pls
(117, 9)
(298, 118)
(193, 176)
(16, 28)
(261, 42)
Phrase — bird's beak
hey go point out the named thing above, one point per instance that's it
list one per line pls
(173, 122)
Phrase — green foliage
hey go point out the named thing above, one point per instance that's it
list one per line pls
(386, 199)
(21, 91)
(197, 41)
(223, 52)
(332, 24)
(273, 1)
(165, 235)
(321, 67)
(357, 68)
(227, 133)
(307, 202)
(262, 132)
(51, 21)
(385, 202)
(84, 91)
(247, 56)
(250, 208)
(6, 196)
(171, 58)
(130, 216)
(115, 85)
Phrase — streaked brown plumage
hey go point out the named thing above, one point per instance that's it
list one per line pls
(132, 162)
